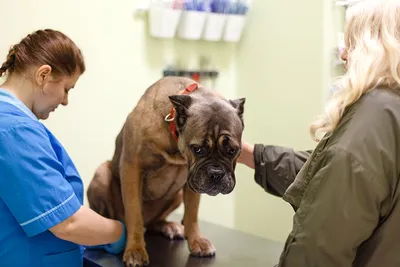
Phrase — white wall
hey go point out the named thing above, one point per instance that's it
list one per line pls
(122, 61)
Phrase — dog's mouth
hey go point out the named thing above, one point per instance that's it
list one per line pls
(213, 191)
(210, 191)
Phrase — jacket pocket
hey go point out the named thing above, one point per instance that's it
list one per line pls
(71, 258)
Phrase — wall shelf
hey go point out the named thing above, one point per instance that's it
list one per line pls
(205, 22)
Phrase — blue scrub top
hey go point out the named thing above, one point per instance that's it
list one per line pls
(39, 187)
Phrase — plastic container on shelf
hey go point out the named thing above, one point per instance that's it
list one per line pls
(163, 20)
(191, 24)
(234, 27)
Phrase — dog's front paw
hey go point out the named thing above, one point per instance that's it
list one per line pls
(201, 247)
(136, 257)
(171, 230)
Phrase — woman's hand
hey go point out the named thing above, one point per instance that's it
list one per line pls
(246, 156)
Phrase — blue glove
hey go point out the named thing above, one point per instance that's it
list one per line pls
(116, 247)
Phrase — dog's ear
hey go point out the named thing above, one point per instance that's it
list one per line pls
(181, 104)
(238, 104)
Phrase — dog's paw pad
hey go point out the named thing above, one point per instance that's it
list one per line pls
(201, 247)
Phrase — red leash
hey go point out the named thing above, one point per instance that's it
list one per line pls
(171, 116)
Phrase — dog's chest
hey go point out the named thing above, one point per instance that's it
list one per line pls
(163, 183)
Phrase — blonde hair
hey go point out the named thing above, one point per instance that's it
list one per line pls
(372, 38)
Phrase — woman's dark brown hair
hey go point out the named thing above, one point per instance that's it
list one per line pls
(45, 47)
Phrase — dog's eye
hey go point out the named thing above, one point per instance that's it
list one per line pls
(231, 151)
(197, 150)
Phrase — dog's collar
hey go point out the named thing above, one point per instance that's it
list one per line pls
(171, 116)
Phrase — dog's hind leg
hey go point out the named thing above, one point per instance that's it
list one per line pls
(169, 229)
(99, 191)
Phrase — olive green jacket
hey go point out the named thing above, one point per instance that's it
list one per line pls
(345, 192)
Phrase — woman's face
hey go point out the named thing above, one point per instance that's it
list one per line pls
(54, 92)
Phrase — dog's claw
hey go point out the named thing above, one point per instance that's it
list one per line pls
(136, 257)
(201, 247)
(171, 230)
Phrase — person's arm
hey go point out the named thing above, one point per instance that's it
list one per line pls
(84, 226)
(275, 167)
(340, 210)
(33, 187)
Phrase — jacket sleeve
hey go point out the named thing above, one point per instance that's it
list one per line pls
(339, 211)
(276, 167)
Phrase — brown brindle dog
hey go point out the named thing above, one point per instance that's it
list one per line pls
(180, 141)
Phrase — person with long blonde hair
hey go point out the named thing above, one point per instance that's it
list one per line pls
(345, 192)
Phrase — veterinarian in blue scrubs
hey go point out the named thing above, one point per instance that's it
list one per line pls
(43, 220)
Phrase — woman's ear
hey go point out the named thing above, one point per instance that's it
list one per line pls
(42, 74)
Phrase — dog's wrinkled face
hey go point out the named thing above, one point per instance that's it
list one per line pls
(210, 133)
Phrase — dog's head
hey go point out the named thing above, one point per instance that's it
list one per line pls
(210, 133)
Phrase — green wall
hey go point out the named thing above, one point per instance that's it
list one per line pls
(283, 67)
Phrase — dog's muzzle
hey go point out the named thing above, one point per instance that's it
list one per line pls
(211, 179)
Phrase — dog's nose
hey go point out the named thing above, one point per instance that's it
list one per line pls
(215, 173)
